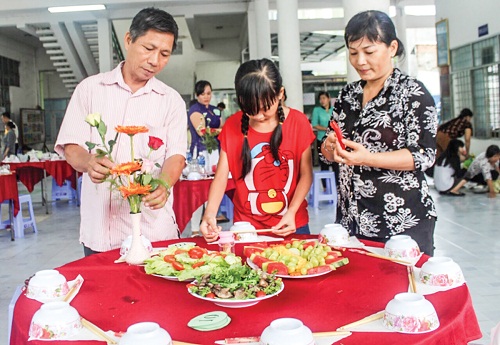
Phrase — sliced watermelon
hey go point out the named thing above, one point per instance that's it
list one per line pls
(275, 267)
(319, 269)
(339, 262)
(258, 259)
(249, 250)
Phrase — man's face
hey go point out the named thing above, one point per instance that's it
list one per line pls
(5, 119)
(147, 56)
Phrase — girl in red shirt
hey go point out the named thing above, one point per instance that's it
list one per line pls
(266, 148)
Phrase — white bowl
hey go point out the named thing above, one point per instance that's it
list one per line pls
(244, 236)
(401, 247)
(149, 333)
(441, 271)
(287, 331)
(47, 285)
(410, 313)
(128, 242)
(334, 234)
(55, 320)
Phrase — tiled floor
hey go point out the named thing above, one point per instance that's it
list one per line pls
(467, 230)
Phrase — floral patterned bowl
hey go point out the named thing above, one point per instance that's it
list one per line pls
(55, 320)
(401, 247)
(47, 285)
(334, 234)
(410, 313)
(441, 271)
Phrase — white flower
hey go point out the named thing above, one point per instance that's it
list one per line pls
(93, 119)
(147, 166)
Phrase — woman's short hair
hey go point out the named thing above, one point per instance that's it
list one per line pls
(153, 19)
(11, 125)
(200, 86)
(376, 26)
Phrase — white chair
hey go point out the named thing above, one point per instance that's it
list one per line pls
(21, 223)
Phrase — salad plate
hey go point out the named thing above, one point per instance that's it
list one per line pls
(237, 303)
(172, 278)
(255, 267)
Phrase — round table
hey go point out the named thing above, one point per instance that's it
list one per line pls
(114, 296)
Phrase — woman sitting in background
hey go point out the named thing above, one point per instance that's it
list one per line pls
(447, 172)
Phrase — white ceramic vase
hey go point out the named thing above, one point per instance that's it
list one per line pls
(137, 252)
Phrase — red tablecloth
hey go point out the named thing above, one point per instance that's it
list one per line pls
(189, 196)
(114, 296)
(8, 190)
(30, 173)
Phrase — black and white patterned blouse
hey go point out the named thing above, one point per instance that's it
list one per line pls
(377, 202)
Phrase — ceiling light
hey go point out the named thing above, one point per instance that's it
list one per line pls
(76, 8)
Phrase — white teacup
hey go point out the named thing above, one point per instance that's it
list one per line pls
(149, 333)
(287, 331)
(441, 271)
(47, 285)
(244, 236)
(401, 247)
(410, 313)
(128, 242)
(334, 234)
(55, 320)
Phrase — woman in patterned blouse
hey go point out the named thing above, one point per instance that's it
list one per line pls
(453, 129)
(389, 123)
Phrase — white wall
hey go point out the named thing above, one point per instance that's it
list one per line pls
(25, 96)
(52, 84)
(465, 16)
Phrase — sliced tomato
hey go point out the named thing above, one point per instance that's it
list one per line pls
(198, 264)
(210, 295)
(260, 293)
(177, 266)
(196, 253)
(180, 251)
(190, 285)
(169, 258)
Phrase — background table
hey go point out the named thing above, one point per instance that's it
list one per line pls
(114, 296)
(30, 173)
(189, 196)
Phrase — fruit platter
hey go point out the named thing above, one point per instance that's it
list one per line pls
(294, 258)
(187, 262)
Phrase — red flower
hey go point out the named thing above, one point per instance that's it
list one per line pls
(203, 131)
(213, 130)
(155, 143)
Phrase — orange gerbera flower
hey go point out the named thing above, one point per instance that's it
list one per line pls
(134, 189)
(125, 168)
(131, 130)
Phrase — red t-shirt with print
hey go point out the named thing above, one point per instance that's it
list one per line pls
(263, 196)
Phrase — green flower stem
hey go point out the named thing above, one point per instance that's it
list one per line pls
(135, 203)
(132, 146)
